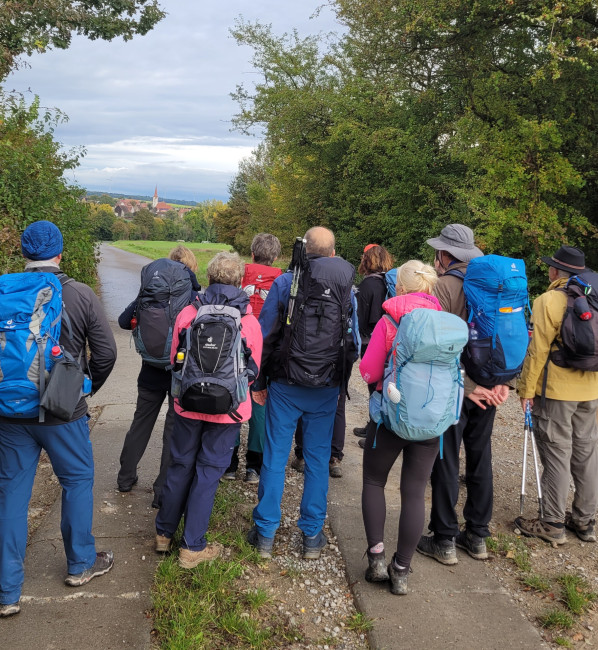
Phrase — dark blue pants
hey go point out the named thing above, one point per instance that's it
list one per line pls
(70, 452)
(199, 455)
(475, 429)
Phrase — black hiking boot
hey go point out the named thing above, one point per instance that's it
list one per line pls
(376, 571)
(442, 550)
(473, 544)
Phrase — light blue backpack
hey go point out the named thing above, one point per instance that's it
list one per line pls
(422, 391)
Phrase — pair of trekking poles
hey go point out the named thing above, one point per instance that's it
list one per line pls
(528, 433)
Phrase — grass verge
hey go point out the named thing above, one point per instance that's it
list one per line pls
(209, 607)
(575, 595)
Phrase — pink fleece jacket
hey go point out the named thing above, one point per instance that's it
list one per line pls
(252, 333)
(372, 364)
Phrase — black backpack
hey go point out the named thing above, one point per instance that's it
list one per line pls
(318, 345)
(579, 329)
(165, 290)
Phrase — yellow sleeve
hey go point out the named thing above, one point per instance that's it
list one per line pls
(547, 316)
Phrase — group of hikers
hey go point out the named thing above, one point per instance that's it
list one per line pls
(440, 348)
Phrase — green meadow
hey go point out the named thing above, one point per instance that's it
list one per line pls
(203, 252)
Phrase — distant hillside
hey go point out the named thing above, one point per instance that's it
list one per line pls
(148, 199)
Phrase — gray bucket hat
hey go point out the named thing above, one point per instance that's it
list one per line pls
(457, 240)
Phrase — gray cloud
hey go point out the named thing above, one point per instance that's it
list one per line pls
(157, 110)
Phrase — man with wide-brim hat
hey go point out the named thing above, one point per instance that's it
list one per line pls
(455, 247)
(564, 403)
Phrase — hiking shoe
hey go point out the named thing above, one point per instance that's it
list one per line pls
(361, 442)
(312, 546)
(376, 571)
(541, 529)
(442, 550)
(10, 609)
(298, 464)
(585, 533)
(229, 476)
(359, 432)
(398, 579)
(104, 562)
(128, 488)
(162, 544)
(262, 544)
(251, 476)
(473, 544)
(334, 468)
(189, 559)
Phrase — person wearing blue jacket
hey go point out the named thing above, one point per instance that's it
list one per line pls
(304, 364)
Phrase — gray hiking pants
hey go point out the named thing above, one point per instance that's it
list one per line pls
(567, 438)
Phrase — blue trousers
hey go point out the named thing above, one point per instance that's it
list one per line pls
(70, 452)
(199, 454)
(284, 406)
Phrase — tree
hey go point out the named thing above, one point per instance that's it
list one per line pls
(423, 113)
(28, 26)
(144, 222)
(102, 221)
(32, 187)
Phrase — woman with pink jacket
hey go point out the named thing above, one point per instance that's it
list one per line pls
(202, 444)
(415, 283)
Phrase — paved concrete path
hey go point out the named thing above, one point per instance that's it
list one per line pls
(461, 606)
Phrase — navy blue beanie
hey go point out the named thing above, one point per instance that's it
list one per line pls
(42, 240)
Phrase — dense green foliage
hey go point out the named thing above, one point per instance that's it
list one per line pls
(423, 113)
(32, 188)
(28, 26)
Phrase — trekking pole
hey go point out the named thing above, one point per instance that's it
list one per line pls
(528, 417)
(297, 261)
(524, 465)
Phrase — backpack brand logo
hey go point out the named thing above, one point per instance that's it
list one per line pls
(514, 267)
(326, 293)
(210, 339)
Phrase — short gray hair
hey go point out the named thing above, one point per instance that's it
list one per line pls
(265, 248)
(226, 268)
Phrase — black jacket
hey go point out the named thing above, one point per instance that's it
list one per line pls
(371, 293)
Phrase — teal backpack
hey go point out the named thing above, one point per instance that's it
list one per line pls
(422, 390)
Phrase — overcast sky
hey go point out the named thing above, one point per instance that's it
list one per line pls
(156, 110)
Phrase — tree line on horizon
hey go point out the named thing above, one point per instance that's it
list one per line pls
(420, 114)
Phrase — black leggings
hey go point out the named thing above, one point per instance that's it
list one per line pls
(418, 459)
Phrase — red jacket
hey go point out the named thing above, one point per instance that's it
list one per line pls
(256, 283)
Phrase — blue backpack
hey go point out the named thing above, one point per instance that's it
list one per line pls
(390, 279)
(496, 292)
(422, 390)
(30, 321)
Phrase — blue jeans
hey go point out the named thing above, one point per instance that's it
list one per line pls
(284, 406)
(199, 454)
(70, 452)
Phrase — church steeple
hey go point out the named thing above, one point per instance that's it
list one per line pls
(155, 199)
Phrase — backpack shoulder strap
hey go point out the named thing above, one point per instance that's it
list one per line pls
(456, 273)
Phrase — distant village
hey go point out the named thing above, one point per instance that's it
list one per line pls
(126, 208)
